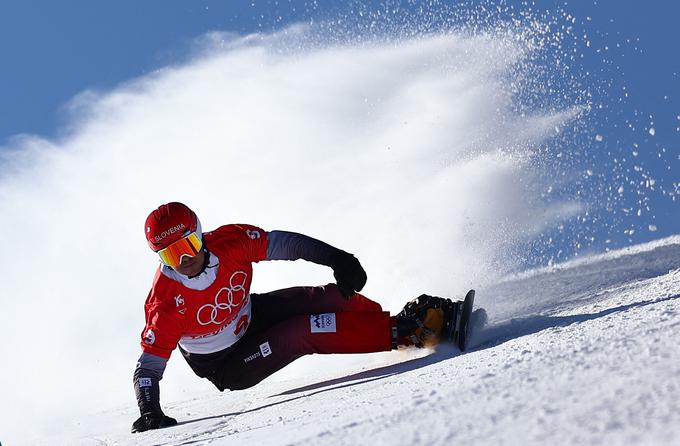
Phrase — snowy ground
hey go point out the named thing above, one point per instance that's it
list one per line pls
(581, 353)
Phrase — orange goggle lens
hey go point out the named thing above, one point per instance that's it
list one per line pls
(186, 246)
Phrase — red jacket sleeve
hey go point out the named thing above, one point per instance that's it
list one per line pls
(164, 326)
(250, 243)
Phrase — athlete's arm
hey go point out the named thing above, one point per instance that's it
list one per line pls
(349, 274)
(148, 373)
(159, 338)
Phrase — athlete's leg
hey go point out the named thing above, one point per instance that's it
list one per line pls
(276, 306)
(259, 354)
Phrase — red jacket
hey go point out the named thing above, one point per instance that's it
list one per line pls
(210, 319)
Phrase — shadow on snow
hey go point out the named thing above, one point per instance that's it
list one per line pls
(487, 337)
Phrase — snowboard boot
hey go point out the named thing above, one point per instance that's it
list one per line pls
(425, 321)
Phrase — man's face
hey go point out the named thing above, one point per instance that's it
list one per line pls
(190, 266)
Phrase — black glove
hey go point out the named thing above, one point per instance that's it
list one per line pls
(152, 421)
(349, 275)
(148, 391)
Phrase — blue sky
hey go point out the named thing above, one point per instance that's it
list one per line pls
(51, 51)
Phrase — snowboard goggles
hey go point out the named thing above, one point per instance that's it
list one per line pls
(189, 245)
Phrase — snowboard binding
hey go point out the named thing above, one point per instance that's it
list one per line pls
(427, 320)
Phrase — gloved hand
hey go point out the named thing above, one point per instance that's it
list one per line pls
(152, 421)
(348, 273)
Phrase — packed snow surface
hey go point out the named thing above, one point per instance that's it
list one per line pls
(584, 352)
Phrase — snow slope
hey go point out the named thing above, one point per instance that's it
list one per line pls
(584, 352)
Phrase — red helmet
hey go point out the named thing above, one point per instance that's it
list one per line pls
(169, 223)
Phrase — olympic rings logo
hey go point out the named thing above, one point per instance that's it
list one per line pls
(235, 298)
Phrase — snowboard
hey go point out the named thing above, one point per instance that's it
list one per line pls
(458, 321)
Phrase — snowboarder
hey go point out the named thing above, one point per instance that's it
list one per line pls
(200, 301)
